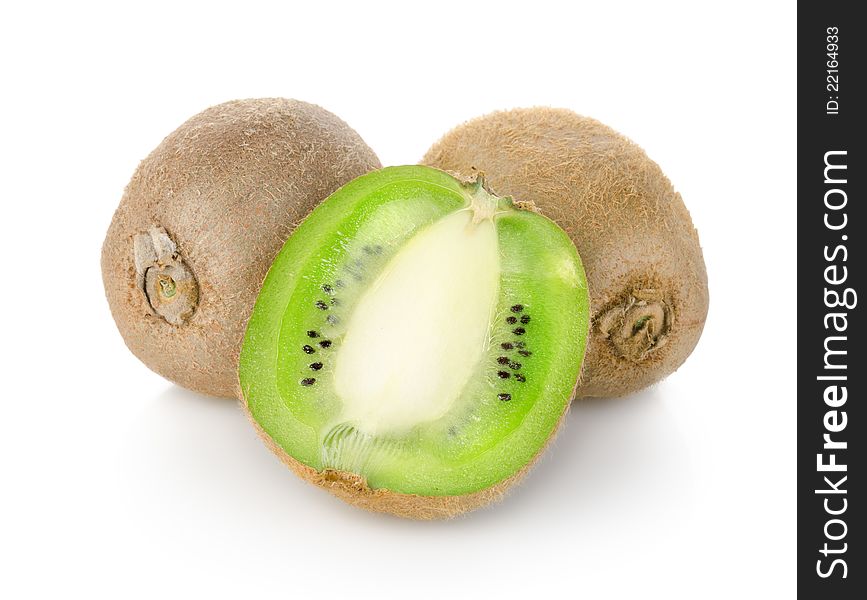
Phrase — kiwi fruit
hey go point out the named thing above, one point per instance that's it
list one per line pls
(416, 343)
(201, 220)
(645, 270)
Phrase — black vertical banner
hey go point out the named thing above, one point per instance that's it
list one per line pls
(832, 433)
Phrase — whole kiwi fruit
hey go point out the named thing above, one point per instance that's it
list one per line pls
(644, 265)
(201, 220)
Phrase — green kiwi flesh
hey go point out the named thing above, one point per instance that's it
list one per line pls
(417, 336)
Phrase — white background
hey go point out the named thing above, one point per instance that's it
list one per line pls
(117, 484)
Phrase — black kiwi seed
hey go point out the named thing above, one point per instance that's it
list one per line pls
(308, 381)
(308, 349)
(506, 346)
(312, 334)
(518, 308)
(327, 288)
(504, 397)
(520, 377)
(318, 365)
(502, 374)
(525, 319)
(321, 305)
(519, 331)
(332, 319)
(335, 302)
(511, 320)
(524, 352)
(514, 366)
(325, 344)
(503, 360)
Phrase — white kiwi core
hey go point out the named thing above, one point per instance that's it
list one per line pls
(420, 330)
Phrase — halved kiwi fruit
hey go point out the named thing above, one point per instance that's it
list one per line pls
(645, 269)
(416, 343)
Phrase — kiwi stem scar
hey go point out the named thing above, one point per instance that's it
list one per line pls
(637, 325)
(165, 280)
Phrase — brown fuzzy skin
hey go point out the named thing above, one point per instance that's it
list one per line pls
(353, 489)
(645, 270)
(226, 188)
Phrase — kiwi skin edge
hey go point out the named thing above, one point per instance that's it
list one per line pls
(353, 489)
(645, 270)
(201, 220)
